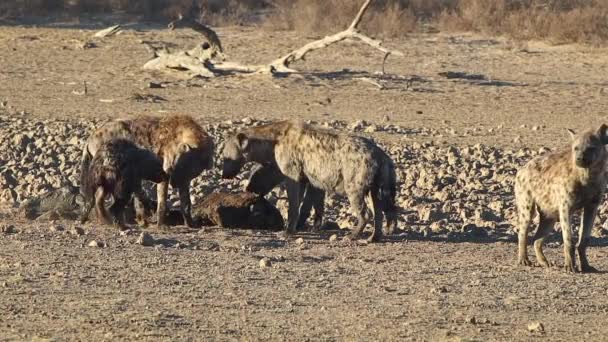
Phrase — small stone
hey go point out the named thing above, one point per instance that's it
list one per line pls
(94, 243)
(77, 231)
(145, 239)
(371, 129)
(470, 320)
(536, 327)
(57, 228)
(265, 263)
(8, 229)
(299, 241)
(333, 237)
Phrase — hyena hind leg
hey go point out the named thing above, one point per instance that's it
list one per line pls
(378, 217)
(358, 207)
(525, 210)
(545, 227)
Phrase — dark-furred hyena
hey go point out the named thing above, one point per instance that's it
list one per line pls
(183, 146)
(558, 184)
(117, 169)
(330, 161)
(265, 177)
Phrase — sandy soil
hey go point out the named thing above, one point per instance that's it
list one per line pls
(208, 284)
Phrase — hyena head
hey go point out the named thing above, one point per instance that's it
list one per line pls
(588, 149)
(150, 167)
(189, 163)
(235, 155)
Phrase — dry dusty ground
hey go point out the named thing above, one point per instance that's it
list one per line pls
(208, 284)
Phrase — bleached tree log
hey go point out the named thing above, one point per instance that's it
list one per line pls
(198, 64)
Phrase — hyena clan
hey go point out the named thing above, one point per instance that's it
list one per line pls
(118, 169)
(265, 177)
(182, 145)
(329, 161)
(558, 184)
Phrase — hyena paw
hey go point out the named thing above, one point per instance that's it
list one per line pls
(544, 263)
(569, 268)
(524, 262)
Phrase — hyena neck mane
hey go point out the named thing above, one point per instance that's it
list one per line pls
(262, 140)
(142, 130)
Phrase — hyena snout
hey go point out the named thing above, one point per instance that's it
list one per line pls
(586, 158)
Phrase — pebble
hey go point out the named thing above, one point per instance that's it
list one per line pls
(57, 228)
(145, 239)
(95, 243)
(333, 237)
(8, 229)
(78, 231)
(265, 263)
(536, 327)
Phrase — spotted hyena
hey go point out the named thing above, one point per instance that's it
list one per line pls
(117, 169)
(557, 185)
(183, 146)
(346, 164)
(265, 177)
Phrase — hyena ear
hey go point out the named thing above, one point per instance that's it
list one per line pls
(243, 140)
(572, 133)
(183, 148)
(601, 132)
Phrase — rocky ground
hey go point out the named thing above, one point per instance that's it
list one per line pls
(448, 273)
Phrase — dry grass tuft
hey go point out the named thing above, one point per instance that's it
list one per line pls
(559, 21)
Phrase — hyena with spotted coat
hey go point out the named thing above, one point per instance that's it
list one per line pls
(183, 146)
(346, 164)
(117, 169)
(557, 185)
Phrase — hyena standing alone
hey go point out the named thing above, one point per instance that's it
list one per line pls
(182, 145)
(329, 161)
(118, 169)
(558, 184)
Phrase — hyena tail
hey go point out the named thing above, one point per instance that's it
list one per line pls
(85, 165)
(388, 192)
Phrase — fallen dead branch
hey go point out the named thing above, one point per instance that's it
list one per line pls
(203, 64)
(112, 30)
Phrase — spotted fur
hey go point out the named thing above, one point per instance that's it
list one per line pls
(182, 145)
(337, 162)
(557, 185)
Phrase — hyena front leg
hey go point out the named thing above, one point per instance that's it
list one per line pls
(161, 210)
(294, 197)
(589, 213)
(312, 198)
(87, 206)
(564, 218)
(378, 216)
(140, 208)
(117, 210)
(318, 203)
(100, 206)
(185, 203)
(545, 227)
(357, 203)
